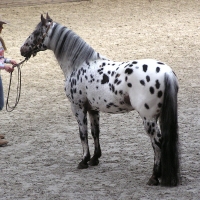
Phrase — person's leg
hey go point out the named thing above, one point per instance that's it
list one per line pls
(1, 95)
(2, 142)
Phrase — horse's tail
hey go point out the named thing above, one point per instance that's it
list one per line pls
(169, 128)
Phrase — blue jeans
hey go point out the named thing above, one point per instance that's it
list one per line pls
(1, 95)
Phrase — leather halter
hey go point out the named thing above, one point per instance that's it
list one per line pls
(44, 35)
(36, 46)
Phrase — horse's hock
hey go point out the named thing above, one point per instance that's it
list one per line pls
(18, 3)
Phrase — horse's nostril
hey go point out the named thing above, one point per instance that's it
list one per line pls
(22, 50)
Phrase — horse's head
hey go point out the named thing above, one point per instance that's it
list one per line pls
(36, 41)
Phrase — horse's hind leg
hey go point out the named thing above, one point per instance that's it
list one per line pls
(94, 120)
(81, 117)
(153, 131)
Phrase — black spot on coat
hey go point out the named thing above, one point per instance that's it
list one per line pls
(157, 143)
(159, 105)
(142, 82)
(145, 67)
(129, 71)
(151, 89)
(105, 79)
(147, 78)
(160, 94)
(116, 80)
(157, 84)
(119, 82)
(121, 92)
(113, 88)
(146, 106)
(157, 69)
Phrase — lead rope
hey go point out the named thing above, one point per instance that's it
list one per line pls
(8, 107)
(11, 108)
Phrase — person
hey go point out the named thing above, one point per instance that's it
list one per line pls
(5, 64)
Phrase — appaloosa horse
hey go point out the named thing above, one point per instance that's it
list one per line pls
(95, 83)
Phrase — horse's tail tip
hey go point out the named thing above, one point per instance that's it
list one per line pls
(174, 182)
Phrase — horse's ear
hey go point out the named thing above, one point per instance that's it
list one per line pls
(48, 17)
(43, 20)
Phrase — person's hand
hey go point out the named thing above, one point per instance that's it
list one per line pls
(8, 68)
(13, 62)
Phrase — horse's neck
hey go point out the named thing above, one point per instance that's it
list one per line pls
(69, 49)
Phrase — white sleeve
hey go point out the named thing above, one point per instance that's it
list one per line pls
(7, 60)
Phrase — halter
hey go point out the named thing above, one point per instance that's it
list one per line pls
(44, 35)
(36, 46)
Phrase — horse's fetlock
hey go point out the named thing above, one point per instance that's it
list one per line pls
(94, 161)
(82, 165)
(153, 181)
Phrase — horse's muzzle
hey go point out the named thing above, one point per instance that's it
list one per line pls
(25, 53)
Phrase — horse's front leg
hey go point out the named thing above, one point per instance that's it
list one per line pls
(155, 136)
(94, 120)
(81, 117)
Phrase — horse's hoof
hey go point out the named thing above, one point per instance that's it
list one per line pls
(153, 181)
(94, 162)
(82, 165)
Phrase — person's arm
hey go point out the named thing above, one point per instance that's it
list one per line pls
(8, 68)
(2, 66)
(7, 60)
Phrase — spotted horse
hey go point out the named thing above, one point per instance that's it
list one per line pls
(95, 83)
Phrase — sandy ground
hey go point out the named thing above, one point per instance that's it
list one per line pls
(44, 148)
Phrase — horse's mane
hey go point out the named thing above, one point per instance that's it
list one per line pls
(69, 48)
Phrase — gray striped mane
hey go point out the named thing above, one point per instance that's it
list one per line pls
(70, 49)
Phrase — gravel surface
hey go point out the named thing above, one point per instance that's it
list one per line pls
(40, 161)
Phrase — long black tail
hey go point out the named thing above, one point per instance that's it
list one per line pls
(170, 173)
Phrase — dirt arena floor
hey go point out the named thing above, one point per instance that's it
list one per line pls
(44, 148)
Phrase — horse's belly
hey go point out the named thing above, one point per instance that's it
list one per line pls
(105, 101)
(110, 107)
